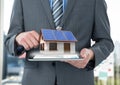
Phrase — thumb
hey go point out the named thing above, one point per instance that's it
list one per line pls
(83, 53)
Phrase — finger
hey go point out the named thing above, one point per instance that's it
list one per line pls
(84, 53)
(77, 63)
(73, 62)
(23, 55)
(35, 34)
(84, 62)
(24, 44)
(29, 43)
(34, 41)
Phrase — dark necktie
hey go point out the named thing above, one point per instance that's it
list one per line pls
(57, 11)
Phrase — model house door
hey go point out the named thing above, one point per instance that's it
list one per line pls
(66, 47)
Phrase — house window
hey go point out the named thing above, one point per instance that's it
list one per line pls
(53, 46)
(42, 46)
(67, 47)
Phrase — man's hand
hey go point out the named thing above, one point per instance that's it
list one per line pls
(28, 40)
(22, 56)
(86, 54)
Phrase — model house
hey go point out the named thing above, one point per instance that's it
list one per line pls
(57, 41)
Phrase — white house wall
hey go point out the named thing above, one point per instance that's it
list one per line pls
(47, 46)
(60, 47)
(72, 47)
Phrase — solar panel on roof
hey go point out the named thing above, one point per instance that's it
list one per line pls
(59, 35)
(48, 35)
(69, 36)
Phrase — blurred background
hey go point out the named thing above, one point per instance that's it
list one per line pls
(107, 73)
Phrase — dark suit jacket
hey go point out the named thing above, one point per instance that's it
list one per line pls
(87, 19)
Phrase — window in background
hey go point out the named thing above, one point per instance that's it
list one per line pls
(108, 72)
(13, 65)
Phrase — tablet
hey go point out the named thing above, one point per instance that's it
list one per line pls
(54, 57)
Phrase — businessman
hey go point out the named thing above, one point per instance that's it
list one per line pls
(87, 19)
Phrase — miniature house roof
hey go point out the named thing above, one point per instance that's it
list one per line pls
(57, 35)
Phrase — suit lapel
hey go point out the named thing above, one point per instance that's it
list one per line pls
(68, 9)
(48, 12)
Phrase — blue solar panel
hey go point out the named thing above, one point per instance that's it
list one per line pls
(48, 35)
(69, 36)
(59, 35)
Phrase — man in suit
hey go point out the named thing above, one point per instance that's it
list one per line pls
(87, 19)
